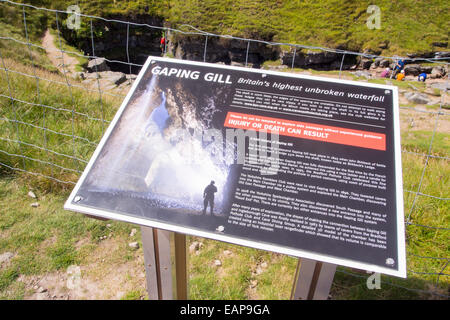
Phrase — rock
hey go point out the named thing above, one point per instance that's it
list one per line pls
(416, 69)
(228, 253)
(412, 69)
(114, 77)
(264, 265)
(440, 44)
(364, 74)
(133, 245)
(426, 69)
(93, 75)
(6, 257)
(253, 283)
(79, 75)
(438, 72)
(133, 232)
(131, 77)
(377, 62)
(31, 194)
(407, 94)
(322, 57)
(41, 296)
(41, 290)
(259, 270)
(218, 263)
(194, 246)
(384, 63)
(417, 98)
(35, 204)
(442, 54)
(73, 277)
(98, 65)
(441, 85)
(384, 45)
(108, 225)
(311, 59)
(366, 63)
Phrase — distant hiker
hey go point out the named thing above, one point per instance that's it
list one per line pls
(163, 44)
(385, 73)
(208, 197)
(401, 76)
(422, 77)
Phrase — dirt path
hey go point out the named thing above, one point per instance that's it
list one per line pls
(59, 59)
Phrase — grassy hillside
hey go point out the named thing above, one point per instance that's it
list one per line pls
(407, 26)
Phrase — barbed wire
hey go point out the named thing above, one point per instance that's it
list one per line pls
(71, 84)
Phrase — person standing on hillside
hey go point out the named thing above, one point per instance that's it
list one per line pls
(162, 44)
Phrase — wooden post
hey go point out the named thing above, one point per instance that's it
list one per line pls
(165, 264)
(312, 280)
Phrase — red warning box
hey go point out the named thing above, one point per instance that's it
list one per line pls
(305, 130)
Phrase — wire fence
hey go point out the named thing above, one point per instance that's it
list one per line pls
(52, 136)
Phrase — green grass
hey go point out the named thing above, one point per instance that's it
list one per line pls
(85, 124)
(419, 141)
(44, 239)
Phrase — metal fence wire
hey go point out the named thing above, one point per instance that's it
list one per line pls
(54, 137)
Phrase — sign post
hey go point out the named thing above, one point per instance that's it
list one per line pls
(165, 264)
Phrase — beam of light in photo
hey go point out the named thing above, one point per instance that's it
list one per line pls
(168, 165)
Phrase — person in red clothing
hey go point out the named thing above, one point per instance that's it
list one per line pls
(163, 44)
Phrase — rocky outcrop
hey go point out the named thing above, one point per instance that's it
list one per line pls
(416, 69)
(416, 97)
(441, 86)
(323, 60)
(114, 77)
(115, 41)
(222, 50)
(438, 72)
(366, 63)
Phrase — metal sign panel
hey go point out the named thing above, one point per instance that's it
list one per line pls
(300, 165)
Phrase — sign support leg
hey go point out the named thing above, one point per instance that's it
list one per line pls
(313, 280)
(165, 264)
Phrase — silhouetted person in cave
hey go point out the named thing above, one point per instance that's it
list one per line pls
(208, 197)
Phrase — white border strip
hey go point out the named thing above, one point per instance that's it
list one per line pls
(401, 272)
